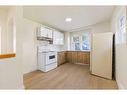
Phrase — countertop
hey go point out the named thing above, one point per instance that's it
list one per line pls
(73, 51)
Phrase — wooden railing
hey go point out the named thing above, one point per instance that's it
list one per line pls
(3, 56)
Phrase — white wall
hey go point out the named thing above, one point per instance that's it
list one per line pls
(121, 50)
(30, 45)
(11, 68)
(9, 74)
(3, 26)
(67, 41)
(101, 27)
(11, 34)
(7, 31)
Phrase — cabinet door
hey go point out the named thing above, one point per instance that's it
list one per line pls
(88, 58)
(69, 58)
(43, 32)
(61, 38)
(61, 58)
(79, 57)
(55, 38)
(58, 58)
(84, 58)
(58, 38)
(74, 57)
(49, 33)
(64, 54)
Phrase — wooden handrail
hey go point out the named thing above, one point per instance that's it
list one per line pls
(3, 56)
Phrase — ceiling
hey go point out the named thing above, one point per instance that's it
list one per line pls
(54, 16)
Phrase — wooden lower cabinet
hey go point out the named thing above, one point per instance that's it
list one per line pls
(69, 56)
(88, 58)
(81, 57)
(78, 57)
(73, 57)
(61, 57)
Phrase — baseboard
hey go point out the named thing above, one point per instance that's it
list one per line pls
(26, 72)
(120, 86)
(82, 64)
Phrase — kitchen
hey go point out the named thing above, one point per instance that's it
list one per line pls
(64, 47)
(56, 48)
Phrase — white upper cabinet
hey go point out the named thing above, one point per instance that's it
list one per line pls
(58, 38)
(61, 38)
(55, 37)
(49, 33)
(44, 32)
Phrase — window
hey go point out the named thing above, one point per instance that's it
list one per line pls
(76, 43)
(86, 42)
(80, 41)
(122, 29)
(121, 34)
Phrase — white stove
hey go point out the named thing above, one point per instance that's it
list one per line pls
(47, 60)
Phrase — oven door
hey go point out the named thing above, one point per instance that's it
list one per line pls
(51, 57)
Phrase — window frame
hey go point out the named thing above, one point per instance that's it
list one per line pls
(80, 35)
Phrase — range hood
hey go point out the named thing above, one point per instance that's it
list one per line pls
(45, 39)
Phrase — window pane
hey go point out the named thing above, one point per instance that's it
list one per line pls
(77, 46)
(75, 39)
(85, 45)
(85, 42)
(84, 37)
(80, 41)
(121, 35)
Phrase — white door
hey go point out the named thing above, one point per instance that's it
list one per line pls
(101, 55)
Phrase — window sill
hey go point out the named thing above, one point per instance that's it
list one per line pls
(3, 56)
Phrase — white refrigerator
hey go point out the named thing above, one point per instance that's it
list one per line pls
(101, 54)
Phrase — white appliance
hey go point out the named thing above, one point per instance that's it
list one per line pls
(47, 60)
(101, 55)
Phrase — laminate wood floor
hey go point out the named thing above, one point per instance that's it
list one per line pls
(67, 76)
